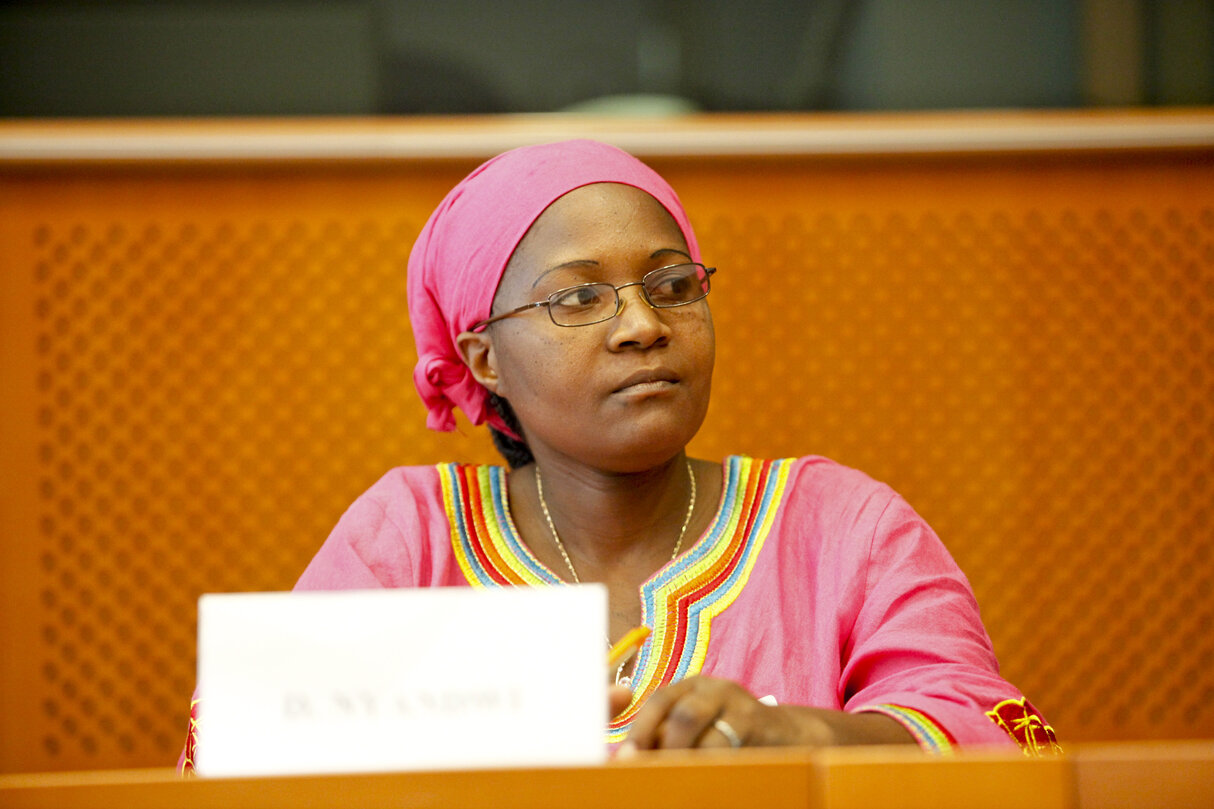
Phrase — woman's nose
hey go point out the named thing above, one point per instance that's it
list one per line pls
(637, 324)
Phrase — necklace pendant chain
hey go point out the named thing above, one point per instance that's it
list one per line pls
(560, 546)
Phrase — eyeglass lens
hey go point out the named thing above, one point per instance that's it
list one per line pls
(665, 287)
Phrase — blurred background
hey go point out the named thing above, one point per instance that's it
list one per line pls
(363, 57)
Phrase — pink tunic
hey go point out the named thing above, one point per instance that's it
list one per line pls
(814, 585)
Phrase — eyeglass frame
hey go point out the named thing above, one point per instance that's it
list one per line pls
(619, 303)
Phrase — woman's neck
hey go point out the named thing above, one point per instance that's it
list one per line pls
(606, 523)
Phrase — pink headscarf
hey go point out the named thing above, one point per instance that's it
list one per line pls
(463, 250)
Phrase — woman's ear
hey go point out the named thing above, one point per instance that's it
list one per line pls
(476, 350)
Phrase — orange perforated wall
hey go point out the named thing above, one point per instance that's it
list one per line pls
(203, 366)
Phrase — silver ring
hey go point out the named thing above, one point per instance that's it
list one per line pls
(726, 730)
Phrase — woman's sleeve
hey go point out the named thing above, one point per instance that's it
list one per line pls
(918, 651)
(367, 549)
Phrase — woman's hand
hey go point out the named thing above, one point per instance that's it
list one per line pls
(707, 712)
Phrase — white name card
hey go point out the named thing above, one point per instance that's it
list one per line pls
(435, 678)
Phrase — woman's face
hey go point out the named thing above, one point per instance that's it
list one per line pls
(622, 395)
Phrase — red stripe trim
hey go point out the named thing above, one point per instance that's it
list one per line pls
(470, 496)
(485, 534)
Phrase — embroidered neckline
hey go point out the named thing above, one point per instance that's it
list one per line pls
(493, 551)
(678, 602)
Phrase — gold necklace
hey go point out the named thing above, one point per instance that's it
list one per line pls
(560, 546)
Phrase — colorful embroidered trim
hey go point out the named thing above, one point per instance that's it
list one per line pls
(1023, 723)
(681, 600)
(930, 736)
(486, 544)
(678, 603)
(191, 741)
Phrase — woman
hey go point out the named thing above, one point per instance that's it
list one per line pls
(558, 295)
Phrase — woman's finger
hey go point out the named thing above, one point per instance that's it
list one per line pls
(618, 698)
(689, 718)
(721, 733)
(643, 733)
(683, 715)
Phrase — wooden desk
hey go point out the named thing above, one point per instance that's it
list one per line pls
(1169, 774)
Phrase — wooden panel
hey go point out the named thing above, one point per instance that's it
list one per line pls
(202, 366)
(211, 367)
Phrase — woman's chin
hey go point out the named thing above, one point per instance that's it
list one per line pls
(643, 446)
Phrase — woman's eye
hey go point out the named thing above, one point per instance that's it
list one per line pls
(675, 286)
(671, 286)
(578, 298)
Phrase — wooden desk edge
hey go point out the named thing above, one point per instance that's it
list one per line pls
(695, 781)
(1174, 774)
(1100, 776)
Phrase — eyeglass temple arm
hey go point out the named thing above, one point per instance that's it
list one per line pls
(495, 318)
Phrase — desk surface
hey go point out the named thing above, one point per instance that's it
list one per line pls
(1106, 776)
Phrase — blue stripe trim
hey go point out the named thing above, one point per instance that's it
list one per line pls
(497, 483)
(931, 737)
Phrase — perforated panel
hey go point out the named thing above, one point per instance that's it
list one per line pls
(188, 376)
(211, 392)
(210, 366)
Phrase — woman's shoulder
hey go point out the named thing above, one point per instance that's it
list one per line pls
(404, 485)
(818, 476)
(397, 533)
(830, 496)
(413, 498)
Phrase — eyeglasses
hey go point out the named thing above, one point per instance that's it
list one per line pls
(586, 304)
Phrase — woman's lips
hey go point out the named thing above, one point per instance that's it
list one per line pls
(641, 388)
(648, 382)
